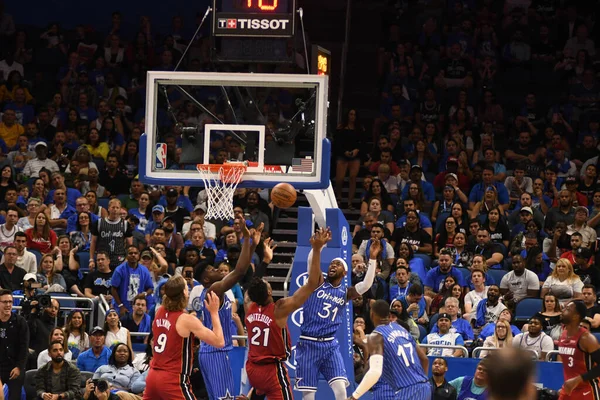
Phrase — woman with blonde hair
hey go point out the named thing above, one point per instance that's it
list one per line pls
(488, 202)
(501, 338)
(563, 283)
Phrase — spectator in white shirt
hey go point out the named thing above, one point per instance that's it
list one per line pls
(33, 167)
(10, 228)
(25, 259)
(520, 282)
(479, 293)
(444, 337)
(535, 339)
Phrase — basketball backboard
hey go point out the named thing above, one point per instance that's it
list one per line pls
(275, 123)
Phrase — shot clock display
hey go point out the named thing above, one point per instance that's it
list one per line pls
(253, 18)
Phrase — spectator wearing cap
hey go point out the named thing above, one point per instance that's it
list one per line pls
(442, 209)
(130, 279)
(579, 224)
(173, 239)
(97, 355)
(33, 167)
(535, 339)
(487, 180)
(462, 181)
(174, 210)
(11, 276)
(198, 216)
(158, 214)
(584, 267)
(416, 176)
(182, 198)
(572, 185)
(564, 212)
(525, 215)
(526, 200)
(444, 337)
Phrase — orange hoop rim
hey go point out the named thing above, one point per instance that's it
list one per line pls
(228, 173)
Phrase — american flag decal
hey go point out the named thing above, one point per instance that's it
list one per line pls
(302, 164)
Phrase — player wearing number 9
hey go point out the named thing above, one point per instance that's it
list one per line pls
(318, 351)
(173, 330)
(266, 321)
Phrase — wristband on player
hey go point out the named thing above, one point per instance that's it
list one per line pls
(120, 305)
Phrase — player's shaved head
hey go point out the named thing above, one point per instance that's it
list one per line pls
(381, 309)
(510, 374)
(258, 291)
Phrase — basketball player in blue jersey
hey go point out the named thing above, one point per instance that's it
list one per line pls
(214, 362)
(318, 351)
(394, 357)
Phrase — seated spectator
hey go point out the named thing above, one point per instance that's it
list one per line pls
(33, 167)
(25, 259)
(11, 276)
(401, 282)
(362, 231)
(587, 271)
(119, 373)
(139, 320)
(415, 304)
(416, 177)
(82, 205)
(410, 205)
(520, 282)
(492, 251)
(446, 291)
(387, 253)
(478, 293)
(564, 212)
(436, 276)
(579, 225)
(463, 256)
(384, 218)
(518, 219)
(445, 236)
(59, 211)
(173, 239)
(210, 230)
(551, 314)
(77, 337)
(472, 386)
(537, 262)
(443, 208)
(489, 309)
(377, 190)
(563, 283)
(93, 391)
(57, 334)
(444, 336)
(389, 181)
(535, 338)
(415, 264)
(478, 191)
(141, 361)
(415, 236)
(48, 276)
(489, 329)
(115, 332)
(398, 311)
(501, 338)
(496, 225)
(460, 325)
(576, 241)
(40, 237)
(518, 184)
(97, 355)
(34, 205)
(68, 385)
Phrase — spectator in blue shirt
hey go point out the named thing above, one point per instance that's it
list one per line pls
(461, 325)
(415, 305)
(58, 180)
(81, 205)
(130, 279)
(424, 222)
(97, 355)
(487, 179)
(416, 172)
(436, 276)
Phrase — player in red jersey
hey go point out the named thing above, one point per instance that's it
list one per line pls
(171, 365)
(266, 321)
(580, 354)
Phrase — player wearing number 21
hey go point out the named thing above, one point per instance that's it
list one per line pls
(214, 362)
(579, 352)
(173, 329)
(395, 357)
(318, 351)
(266, 321)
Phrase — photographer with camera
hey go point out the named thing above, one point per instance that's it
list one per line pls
(14, 341)
(98, 389)
(41, 320)
(58, 379)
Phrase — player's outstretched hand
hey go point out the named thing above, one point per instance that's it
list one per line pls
(212, 303)
(375, 249)
(268, 247)
(320, 238)
(245, 231)
(256, 234)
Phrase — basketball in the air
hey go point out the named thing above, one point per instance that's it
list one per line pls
(283, 195)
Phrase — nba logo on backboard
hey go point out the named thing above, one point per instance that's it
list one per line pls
(161, 155)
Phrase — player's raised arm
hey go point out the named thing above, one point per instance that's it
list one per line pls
(191, 324)
(284, 307)
(251, 240)
(365, 285)
(375, 345)
(589, 344)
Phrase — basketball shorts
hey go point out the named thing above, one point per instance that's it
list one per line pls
(582, 392)
(161, 385)
(383, 391)
(317, 357)
(270, 379)
(420, 391)
(217, 374)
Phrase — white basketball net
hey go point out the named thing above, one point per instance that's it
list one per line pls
(220, 191)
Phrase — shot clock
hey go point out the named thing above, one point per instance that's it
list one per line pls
(253, 18)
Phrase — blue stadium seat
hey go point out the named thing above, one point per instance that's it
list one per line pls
(423, 332)
(466, 272)
(37, 254)
(527, 308)
(139, 347)
(84, 259)
(497, 275)
(103, 202)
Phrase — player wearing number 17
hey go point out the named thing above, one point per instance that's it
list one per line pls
(266, 321)
(173, 330)
(395, 357)
(318, 351)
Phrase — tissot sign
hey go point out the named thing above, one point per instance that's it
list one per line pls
(254, 18)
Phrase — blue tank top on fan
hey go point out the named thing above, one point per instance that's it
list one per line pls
(323, 311)
(465, 392)
(226, 324)
(401, 364)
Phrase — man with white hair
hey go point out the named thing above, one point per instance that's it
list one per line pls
(459, 325)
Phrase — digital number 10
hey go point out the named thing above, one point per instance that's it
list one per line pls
(264, 7)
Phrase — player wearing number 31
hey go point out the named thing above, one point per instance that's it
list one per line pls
(266, 321)
(173, 330)
(318, 351)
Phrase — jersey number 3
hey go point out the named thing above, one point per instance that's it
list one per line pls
(328, 310)
(257, 332)
(160, 343)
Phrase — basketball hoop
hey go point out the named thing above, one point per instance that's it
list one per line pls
(220, 191)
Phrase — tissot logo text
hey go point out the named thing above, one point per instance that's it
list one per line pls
(253, 24)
